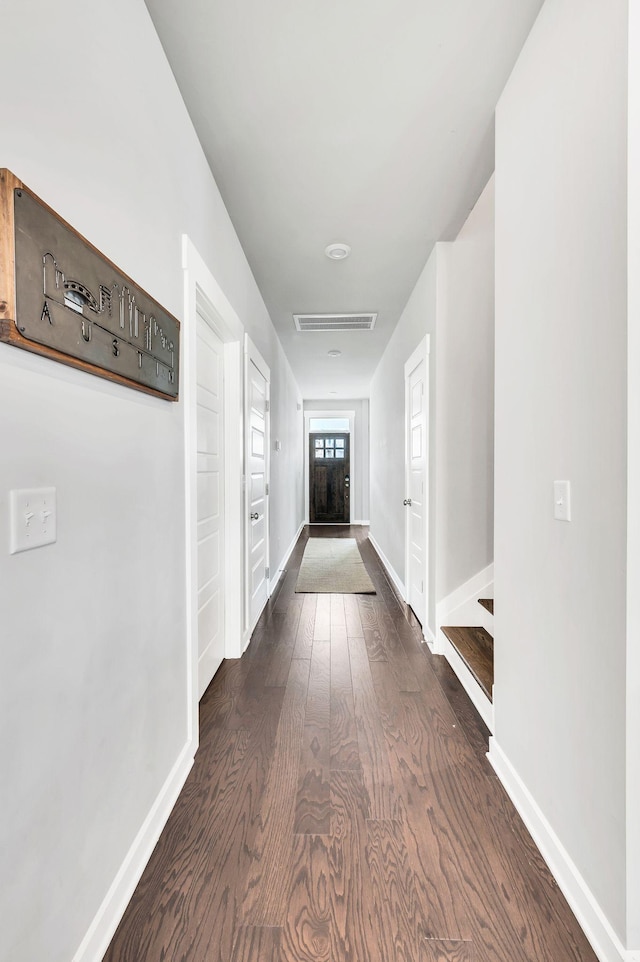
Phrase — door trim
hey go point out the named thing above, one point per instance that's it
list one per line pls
(352, 442)
(203, 295)
(252, 354)
(421, 353)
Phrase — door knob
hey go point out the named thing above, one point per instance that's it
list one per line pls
(407, 501)
(254, 517)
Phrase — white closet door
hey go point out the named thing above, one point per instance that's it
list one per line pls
(257, 460)
(210, 484)
(416, 479)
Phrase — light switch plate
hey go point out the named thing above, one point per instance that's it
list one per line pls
(562, 500)
(33, 518)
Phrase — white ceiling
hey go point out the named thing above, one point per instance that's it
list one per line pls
(368, 122)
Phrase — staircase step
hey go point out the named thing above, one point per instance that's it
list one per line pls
(486, 603)
(475, 647)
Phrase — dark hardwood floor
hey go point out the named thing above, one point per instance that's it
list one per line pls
(341, 808)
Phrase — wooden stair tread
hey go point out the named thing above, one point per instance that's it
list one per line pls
(486, 603)
(475, 647)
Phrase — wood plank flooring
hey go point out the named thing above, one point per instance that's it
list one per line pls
(341, 808)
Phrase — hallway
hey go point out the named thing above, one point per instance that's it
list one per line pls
(341, 809)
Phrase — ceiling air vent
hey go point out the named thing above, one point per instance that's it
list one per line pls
(334, 322)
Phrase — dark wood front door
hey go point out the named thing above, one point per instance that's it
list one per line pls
(329, 479)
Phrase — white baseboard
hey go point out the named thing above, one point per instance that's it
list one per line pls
(466, 679)
(283, 564)
(466, 593)
(603, 939)
(389, 568)
(102, 929)
(360, 522)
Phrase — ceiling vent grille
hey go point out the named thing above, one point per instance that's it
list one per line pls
(334, 322)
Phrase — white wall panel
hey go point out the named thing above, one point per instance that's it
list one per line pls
(561, 413)
(633, 486)
(95, 680)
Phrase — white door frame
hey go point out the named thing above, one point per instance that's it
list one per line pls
(352, 443)
(253, 355)
(421, 353)
(204, 296)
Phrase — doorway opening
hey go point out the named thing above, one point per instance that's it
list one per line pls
(212, 390)
(210, 498)
(328, 467)
(329, 479)
(257, 466)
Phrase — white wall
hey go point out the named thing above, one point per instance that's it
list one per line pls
(453, 302)
(359, 450)
(561, 414)
(287, 474)
(465, 373)
(94, 694)
(633, 486)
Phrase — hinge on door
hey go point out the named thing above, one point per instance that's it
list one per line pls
(266, 488)
(266, 573)
(267, 405)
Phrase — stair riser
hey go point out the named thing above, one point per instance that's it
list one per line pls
(468, 614)
(468, 682)
(485, 619)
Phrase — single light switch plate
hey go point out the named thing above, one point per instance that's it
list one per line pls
(562, 500)
(33, 518)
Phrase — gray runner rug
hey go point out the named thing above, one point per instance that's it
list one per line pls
(335, 566)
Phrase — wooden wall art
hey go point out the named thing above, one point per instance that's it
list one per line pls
(62, 298)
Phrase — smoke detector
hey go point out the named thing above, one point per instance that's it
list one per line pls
(337, 252)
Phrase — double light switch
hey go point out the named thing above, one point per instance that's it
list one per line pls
(33, 518)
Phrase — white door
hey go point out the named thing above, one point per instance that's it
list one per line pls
(210, 502)
(257, 482)
(416, 502)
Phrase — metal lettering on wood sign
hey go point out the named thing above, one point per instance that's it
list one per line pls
(73, 304)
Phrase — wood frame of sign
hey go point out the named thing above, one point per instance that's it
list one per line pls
(60, 297)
